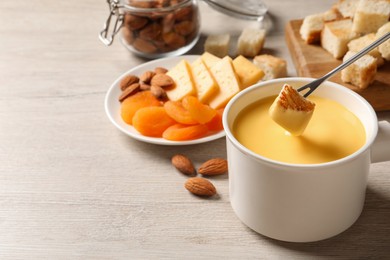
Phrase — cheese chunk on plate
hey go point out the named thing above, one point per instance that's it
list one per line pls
(184, 85)
(205, 84)
(291, 110)
(209, 59)
(247, 72)
(228, 83)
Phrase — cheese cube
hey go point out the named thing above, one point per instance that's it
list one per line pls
(209, 59)
(228, 83)
(184, 85)
(205, 84)
(247, 72)
(217, 44)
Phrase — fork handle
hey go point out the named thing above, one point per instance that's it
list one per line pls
(357, 55)
(346, 63)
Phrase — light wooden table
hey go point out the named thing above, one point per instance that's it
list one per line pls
(73, 187)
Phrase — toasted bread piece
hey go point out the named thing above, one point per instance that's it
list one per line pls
(370, 15)
(272, 66)
(217, 45)
(384, 48)
(291, 110)
(360, 43)
(313, 24)
(361, 73)
(250, 42)
(347, 8)
(336, 35)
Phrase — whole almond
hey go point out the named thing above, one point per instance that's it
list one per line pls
(151, 32)
(174, 40)
(184, 28)
(160, 70)
(214, 166)
(144, 86)
(158, 92)
(162, 80)
(183, 164)
(144, 46)
(130, 90)
(127, 81)
(200, 186)
(147, 76)
(134, 22)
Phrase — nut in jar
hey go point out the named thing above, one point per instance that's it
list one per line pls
(155, 28)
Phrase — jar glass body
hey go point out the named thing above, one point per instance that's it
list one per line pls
(160, 28)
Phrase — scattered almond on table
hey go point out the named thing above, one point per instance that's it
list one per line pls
(183, 164)
(212, 167)
(200, 186)
(197, 185)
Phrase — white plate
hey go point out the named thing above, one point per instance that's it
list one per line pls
(112, 105)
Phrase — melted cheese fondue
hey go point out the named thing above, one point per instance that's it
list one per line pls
(333, 133)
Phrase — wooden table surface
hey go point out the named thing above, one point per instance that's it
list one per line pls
(74, 187)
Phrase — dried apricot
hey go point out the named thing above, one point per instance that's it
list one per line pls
(131, 104)
(176, 110)
(180, 132)
(152, 121)
(215, 124)
(200, 112)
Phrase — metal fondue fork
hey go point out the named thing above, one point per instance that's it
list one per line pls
(316, 83)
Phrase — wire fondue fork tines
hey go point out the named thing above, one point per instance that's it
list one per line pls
(314, 84)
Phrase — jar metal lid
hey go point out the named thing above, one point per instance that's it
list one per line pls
(243, 9)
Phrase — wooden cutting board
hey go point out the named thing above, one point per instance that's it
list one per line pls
(313, 61)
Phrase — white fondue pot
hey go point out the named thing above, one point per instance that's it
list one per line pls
(302, 202)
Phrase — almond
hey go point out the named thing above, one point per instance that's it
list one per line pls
(147, 76)
(200, 186)
(130, 90)
(174, 40)
(162, 80)
(158, 92)
(160, 70)
(127, 81)
(214, 166)
(144, 86)
(144, 46)
(134, 22)
(183, 164)
(151, 32)
(184, 28)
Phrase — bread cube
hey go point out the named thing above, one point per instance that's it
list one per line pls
(347, 8)
(370, 15)
(217, 44)
(361, 73)
(250, 42)
(384, 48)
(272, 66)
(360, 43)
(336, 35)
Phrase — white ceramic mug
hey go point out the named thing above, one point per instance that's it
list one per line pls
(295, 202)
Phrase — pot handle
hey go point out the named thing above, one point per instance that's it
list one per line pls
(380, 150)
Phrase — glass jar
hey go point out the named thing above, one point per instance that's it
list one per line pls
(154, 28)
(160, 28)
